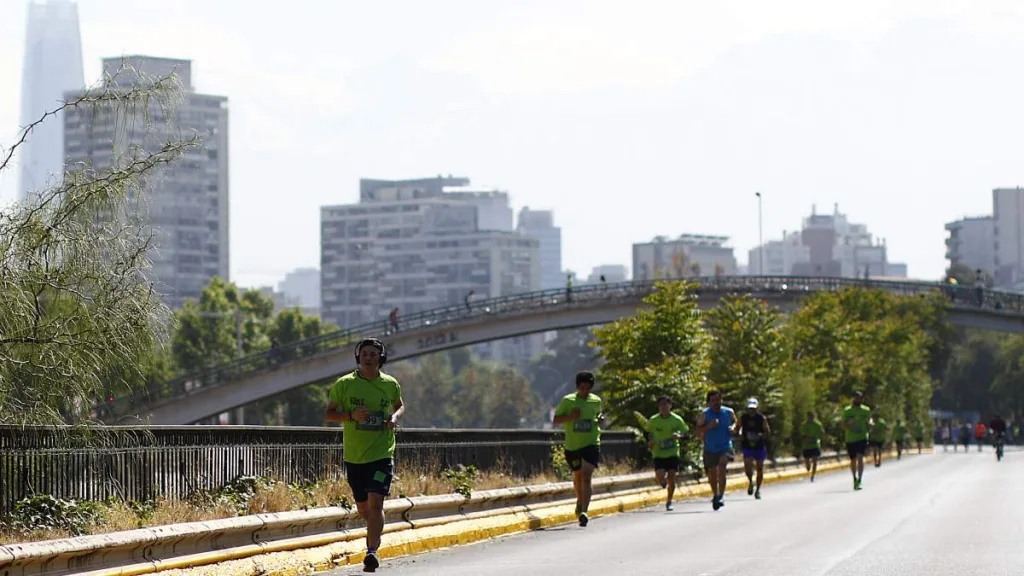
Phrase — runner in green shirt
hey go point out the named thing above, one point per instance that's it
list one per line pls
(899, 436)
(664, 432)
(878, 437)
(368, 403)
(919, 436)
(857, 424)
(811, 433)
(580, 414)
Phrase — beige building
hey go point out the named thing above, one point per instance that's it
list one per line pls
(687, 255)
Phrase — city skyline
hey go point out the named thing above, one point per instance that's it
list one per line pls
(640, 140)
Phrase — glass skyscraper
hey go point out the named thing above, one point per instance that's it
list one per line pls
(53, 66)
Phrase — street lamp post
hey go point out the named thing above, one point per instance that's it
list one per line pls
(760, 237)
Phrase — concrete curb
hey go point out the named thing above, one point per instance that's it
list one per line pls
(302, 541)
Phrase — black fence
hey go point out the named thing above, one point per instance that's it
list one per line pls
(141, 463)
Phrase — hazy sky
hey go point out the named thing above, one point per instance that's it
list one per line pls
(629, 119)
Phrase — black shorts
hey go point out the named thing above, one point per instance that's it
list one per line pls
(858, 448)
(371, 477)
(812, 453)
(875, 444)
(589, 454)
(714, 459)
(667, 464)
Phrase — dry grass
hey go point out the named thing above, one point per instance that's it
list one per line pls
(280, 497)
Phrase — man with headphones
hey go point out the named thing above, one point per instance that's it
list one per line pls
(368, 403)
(580, 414)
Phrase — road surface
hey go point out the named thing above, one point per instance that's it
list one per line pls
(957, 514)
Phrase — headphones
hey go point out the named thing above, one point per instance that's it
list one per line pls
(376, 344)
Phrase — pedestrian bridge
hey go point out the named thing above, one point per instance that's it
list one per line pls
(219, 388)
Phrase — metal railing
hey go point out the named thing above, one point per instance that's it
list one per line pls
(532, 302)
(139, 463)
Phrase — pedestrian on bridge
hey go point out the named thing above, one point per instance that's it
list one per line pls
(369, 404)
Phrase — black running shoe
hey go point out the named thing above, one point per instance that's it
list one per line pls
(370, 562)
(584, 519)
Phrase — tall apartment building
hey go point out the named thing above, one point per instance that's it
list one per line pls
(417, 249)
(301, 287)
(826, 245)
(780, 256)
(186, 203)
(52, 66)
(540, 224)
(1008, 236)
(493, 209)
(971, 242)
(687, 255)
(612, 273)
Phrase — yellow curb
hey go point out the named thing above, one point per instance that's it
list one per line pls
(319, 553)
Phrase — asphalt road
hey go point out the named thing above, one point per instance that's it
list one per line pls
(957, 514)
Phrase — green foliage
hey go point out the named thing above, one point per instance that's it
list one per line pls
(663, 349)
(45, 512)
(552, 374)
(78, 311)
(984, 373)
(747, 350)
(481, 395)
(559, 465)
(462, 478)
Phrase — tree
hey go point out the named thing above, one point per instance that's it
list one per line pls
(552, 374)
(78, 314)
(208, 330)
(747, 350)
(663, 349)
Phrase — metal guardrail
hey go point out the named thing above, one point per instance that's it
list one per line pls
(148, 550)
(138, 463)
(530, 302)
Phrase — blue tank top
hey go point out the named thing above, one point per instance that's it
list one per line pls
(719, 438)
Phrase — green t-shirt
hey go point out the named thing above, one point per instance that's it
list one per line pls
(880, 430)
(855, 422)
(899, 432)
(662, 430)
(583, 431)
(812, 433)
(371, 440)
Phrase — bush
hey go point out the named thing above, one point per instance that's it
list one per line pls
(44, 512)
(559, 466)
(462, 478)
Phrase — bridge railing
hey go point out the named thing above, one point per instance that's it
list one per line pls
(139, 463)
(527, 302)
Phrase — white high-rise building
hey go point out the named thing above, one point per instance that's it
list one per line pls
(971, 242)
(1008, 235)
(301, 287)
(540, 224)
(779, 256)
(414, 246)
(493, 209)
(687, 255)
(187, 202)
(52, 66)
(612, 273)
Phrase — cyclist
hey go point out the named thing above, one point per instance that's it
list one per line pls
(580, 414)
(666, 428)
(369, 403)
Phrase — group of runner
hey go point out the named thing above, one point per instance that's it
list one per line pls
(368, 403)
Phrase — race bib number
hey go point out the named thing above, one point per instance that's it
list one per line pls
(374, 421)
(582, 425)
(753, 436)
(669, 444)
